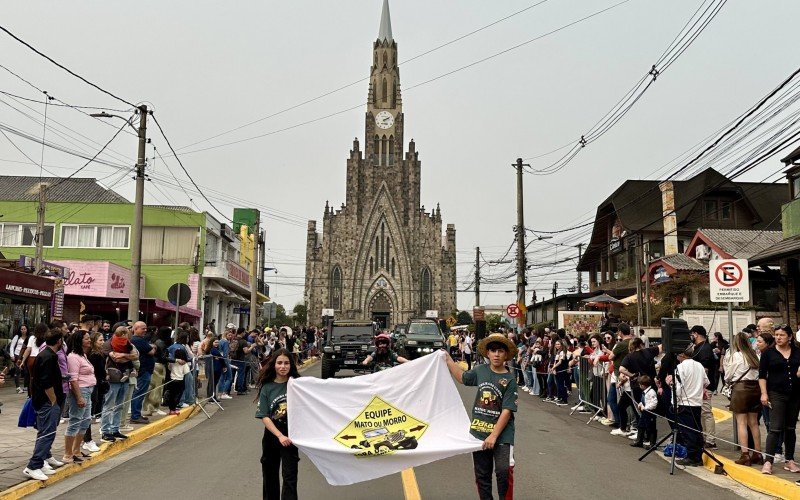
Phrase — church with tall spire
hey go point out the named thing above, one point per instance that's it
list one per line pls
(381, 256)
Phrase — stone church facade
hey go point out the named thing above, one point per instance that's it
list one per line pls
(381, 256)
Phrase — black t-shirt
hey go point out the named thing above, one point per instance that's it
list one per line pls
(704, 354)
(642, 362)
(46, 375)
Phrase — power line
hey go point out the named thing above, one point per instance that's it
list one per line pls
(37, 51)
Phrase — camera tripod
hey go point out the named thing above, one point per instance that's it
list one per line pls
(719, 469)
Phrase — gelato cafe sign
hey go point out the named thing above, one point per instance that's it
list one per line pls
(96, 279)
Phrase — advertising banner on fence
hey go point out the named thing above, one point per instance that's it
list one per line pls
(361, 428)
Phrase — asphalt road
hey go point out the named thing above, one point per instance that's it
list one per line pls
(557, 457)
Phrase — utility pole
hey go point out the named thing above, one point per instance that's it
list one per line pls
(639, 259)
(40, 227)
(580, 280)
(555, 304)
(647, 291)
(138, 215)
(477, 276)
(520, 230)
(254, 276)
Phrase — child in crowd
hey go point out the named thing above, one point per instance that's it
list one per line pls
(177, 370)
(647, 420)
(121, 344)
(492, 414)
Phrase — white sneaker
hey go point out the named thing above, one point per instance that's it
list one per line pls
(47, 469)
(20, 390)
(90, 447)
(35, 474)
(225, 396)
(185, 405)
(126, 428)
(62, 421)
(160, 412)
(633, 437)
(618, 432)
(779, 458)
(53, 461)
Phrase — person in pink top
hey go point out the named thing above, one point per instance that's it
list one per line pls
(81, 384)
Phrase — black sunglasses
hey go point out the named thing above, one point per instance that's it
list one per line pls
(781, 327)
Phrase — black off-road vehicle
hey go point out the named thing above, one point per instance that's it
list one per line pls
(347, 344)
(422, 336)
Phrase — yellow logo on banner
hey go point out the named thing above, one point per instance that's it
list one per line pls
(380, 429)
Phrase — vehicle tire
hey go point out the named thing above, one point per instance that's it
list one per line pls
(382, 449)
(409, 444)
(328, 368)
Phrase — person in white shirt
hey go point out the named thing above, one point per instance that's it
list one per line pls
(741, 374)
(691, 381)
(466, 348)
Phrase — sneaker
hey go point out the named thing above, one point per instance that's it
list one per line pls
(61, 421)
(618, 432)
(561, 403)
(90, 447)
(607, 421)
(633, 436)
(225, 396)
(108, 438)
(141, 420)
(779, 458)
(160, 412)
(20, 390)
(54, 462)
(647, 444)
(547, 399)
(710, 446)
(126, 428)
(791, 467)
(120, 435)
(185, 405)
(47, 469)
(767, 468)
(35, 474)
(687, 462)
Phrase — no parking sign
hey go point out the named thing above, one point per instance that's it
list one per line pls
(729, 280)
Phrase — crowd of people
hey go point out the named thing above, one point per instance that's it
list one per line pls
(123, 374)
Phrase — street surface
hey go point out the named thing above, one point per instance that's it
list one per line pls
(557, 456)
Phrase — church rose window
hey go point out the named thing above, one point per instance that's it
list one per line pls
(336, 288)
(425, 290)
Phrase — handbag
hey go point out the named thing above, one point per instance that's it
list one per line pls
(727, 391)
(27, 417)
(113, 374)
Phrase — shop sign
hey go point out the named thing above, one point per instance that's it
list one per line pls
(25, 285)
(238, 273)
(615, 245)
(96, 279)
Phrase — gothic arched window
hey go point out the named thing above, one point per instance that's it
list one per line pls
(383, 246)
(425, 287)
(336, 288)
(392, 267)
(384, 91)
(385, 59)
(391, 150)
(371, 266)
(376, 148)
(384, 150)
(394, 93)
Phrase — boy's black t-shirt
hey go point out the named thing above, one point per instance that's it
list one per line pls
(496, 392)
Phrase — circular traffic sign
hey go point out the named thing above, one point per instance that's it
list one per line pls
(728, 274)
(179, 292)
(512, 310)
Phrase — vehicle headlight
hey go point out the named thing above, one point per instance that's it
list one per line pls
(327, 349)
(337, 348)
(437, 344)
(412, 342)
(364, 347)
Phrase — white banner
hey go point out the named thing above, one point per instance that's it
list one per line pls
(361, 428)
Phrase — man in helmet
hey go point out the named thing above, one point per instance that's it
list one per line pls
(383, 357)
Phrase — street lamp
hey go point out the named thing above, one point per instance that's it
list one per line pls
(138, 212)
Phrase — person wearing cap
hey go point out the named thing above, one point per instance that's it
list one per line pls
(691, 381)
(704, 354)
(492, 414)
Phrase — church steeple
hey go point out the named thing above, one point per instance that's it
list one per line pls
(385, 31)
(384, 127)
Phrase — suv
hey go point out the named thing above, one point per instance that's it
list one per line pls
(347, 344)
(383, 441)
(422, 336)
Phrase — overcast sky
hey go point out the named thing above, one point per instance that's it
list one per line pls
(209, 67)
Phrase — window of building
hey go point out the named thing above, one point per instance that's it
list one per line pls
(726, 210)
(336, 288)
(384, 151)
(14, 234)
(391, 150)
(796, 187)
(426, 286)
(94, 236)
(384, 91)
(392, 267)
(710, 209)
(169, 245)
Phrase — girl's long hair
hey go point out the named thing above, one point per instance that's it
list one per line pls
(742, 344)
(268, 373)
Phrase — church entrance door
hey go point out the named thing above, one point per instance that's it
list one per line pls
(381, 310)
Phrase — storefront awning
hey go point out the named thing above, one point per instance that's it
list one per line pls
(166, 306)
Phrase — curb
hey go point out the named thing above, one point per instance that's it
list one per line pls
(107, 450)
(753, 478)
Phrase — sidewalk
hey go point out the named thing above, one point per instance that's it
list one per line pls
(781, 484)
(16, 445)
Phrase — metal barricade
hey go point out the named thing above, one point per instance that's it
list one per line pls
(591, 389)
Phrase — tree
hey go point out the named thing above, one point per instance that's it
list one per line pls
(463, 318)
(493, 322)
(301, 313)
(280, 316)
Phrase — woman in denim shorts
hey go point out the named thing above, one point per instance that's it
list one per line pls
(81, 384)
